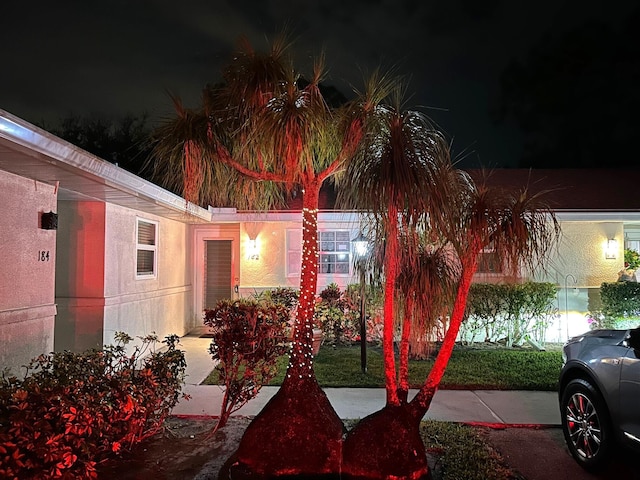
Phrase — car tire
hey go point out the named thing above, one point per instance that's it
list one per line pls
(586, 424)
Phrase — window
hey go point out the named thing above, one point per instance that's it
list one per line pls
(146, 248)
(334, 252)
(334, 248)
(488, 262)
(294, 252)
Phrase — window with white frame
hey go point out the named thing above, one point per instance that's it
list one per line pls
(146, 248)
(334, 252)
(294, 252)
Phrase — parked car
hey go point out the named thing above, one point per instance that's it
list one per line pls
(600, 394)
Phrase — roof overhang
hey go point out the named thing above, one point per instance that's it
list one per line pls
(31, 152)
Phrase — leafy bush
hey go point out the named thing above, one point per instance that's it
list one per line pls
(286, 296)
(73, 411)
(618, 306)
(335, 315)
(631, 259)
(511, 312)
(374, 300)
(248, 338)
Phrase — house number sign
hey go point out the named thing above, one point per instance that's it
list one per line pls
(43, 255)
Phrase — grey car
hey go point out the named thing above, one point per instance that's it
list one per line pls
(600, 394)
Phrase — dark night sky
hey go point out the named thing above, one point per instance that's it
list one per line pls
(116, 57)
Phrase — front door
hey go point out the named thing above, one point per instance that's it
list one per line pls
(217, 272)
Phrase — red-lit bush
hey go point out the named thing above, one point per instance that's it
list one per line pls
(248, 338)
(73, 411)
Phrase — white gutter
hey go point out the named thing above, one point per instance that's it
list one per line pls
(63, 154)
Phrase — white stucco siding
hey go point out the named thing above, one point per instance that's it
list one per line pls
(578, 269)
(581, 253)
(270, 269)
(27, 270)
(141, 306)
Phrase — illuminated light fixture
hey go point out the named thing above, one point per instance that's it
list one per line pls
(361, 245)
(611, 249)
(253, 249)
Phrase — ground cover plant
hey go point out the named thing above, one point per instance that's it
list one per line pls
(459, 451)
(480, 368)
(73, 411)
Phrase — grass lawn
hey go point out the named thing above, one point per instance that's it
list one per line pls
(495, 368)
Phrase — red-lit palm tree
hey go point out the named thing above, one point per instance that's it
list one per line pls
(260, 135)
(404, 177)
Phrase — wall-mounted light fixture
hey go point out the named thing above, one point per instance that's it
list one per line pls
(49, 221)
(611, 249)
(253, 249)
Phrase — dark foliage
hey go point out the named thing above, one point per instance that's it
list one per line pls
(73, 411)
(248, 338)
(123, 141)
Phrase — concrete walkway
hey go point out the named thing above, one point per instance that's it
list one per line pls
(465, 406)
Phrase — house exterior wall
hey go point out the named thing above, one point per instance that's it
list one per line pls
(578, 269)
(80, 275)
(97, 290)
(270, 269)
(27, 271)
(142, 306)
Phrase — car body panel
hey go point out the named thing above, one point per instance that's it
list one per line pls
(606, 359)
(630, 395)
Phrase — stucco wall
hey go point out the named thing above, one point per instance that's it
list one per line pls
(141, 306)
(80, 275)
(582, 253)
(270, 270)
(27, 271)
(579, 268)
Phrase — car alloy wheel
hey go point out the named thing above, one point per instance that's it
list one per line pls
(585, 424)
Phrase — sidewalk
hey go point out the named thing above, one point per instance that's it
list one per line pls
(464, 406)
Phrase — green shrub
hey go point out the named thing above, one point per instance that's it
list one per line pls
(72, 411)
(631, 259)
(618, 306)
(511, 312)
(248, 338)
(286, 296)
(336, 315)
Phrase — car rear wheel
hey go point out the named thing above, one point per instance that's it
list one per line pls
(585, 424)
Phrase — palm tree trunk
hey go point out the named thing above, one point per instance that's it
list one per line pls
(303, 430)
(301, 358)
(403, 389)
(391, 273)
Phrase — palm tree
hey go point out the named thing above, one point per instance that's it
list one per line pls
(260, 136)
(459, 220)
(516, 225)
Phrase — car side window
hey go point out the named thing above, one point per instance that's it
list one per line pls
(634, 338)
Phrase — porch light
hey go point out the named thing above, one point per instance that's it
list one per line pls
(611, 249)
(361, 245)
(253, 249)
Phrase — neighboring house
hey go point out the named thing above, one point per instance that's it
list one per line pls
(130, 256)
